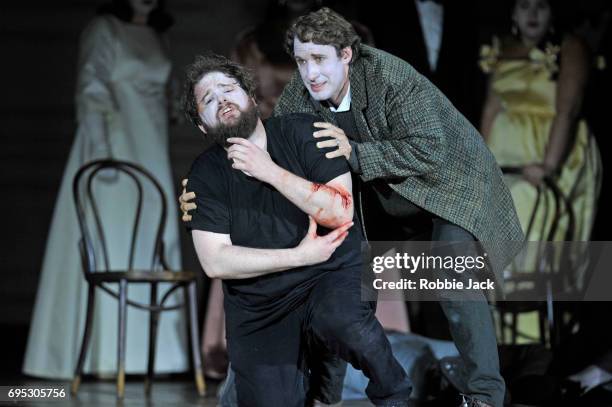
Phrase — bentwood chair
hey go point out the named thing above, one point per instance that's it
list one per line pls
(542, 278)
(93, 246)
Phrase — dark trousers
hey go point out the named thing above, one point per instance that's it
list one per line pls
(471, 327)
(470, 321)
(271, 364)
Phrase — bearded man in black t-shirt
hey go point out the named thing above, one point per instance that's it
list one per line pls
(275, 222)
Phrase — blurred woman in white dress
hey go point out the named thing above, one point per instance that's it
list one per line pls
(122, 113)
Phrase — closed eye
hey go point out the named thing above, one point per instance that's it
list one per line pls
(227, 88)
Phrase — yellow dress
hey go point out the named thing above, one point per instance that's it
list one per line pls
(520, 134)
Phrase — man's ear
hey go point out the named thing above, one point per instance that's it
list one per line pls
(202, 129)
(346, 54)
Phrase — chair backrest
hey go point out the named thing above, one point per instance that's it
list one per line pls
(109, 174)
(567, 259)
(562, 207)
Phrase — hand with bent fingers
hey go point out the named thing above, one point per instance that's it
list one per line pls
(251, 159)
(317, 249)
(184, 201)
(339, 139)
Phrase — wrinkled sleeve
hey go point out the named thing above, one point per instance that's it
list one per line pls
(94, 99)
(416, 142)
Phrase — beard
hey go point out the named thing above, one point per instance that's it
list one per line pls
(242, 128)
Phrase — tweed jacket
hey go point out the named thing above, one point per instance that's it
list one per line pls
(411, 136)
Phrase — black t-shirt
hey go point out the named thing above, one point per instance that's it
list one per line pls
(256, 215)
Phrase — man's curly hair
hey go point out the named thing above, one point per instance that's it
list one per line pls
(207, 63)
(324, 27)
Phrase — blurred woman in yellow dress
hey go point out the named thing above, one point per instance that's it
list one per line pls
(531, 120)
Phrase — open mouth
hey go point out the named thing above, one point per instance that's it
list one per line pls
(316, 87)
(227, 111)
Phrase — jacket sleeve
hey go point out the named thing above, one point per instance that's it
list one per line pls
(415, 143)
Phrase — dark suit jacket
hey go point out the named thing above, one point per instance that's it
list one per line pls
(457, 74)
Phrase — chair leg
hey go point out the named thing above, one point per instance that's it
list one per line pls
(191, 308)
(78, 371)
(542, 324)
(153, 322)
(514, 327)
(121, 347)
(502, 326)
(557, 322)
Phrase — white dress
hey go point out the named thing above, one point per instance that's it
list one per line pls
(122, 113)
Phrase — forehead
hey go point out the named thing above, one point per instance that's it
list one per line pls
(212, 80)
(310, 48)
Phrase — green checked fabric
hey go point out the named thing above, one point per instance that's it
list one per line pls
(411, 135)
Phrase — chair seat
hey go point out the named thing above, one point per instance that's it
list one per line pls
(140, 276)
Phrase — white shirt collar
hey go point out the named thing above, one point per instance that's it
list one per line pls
(345, 105)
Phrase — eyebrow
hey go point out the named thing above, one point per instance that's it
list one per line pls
(310, 56)
(223, 85)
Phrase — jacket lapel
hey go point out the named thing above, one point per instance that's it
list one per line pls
(359, 99)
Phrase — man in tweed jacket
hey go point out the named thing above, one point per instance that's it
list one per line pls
(402, 133)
